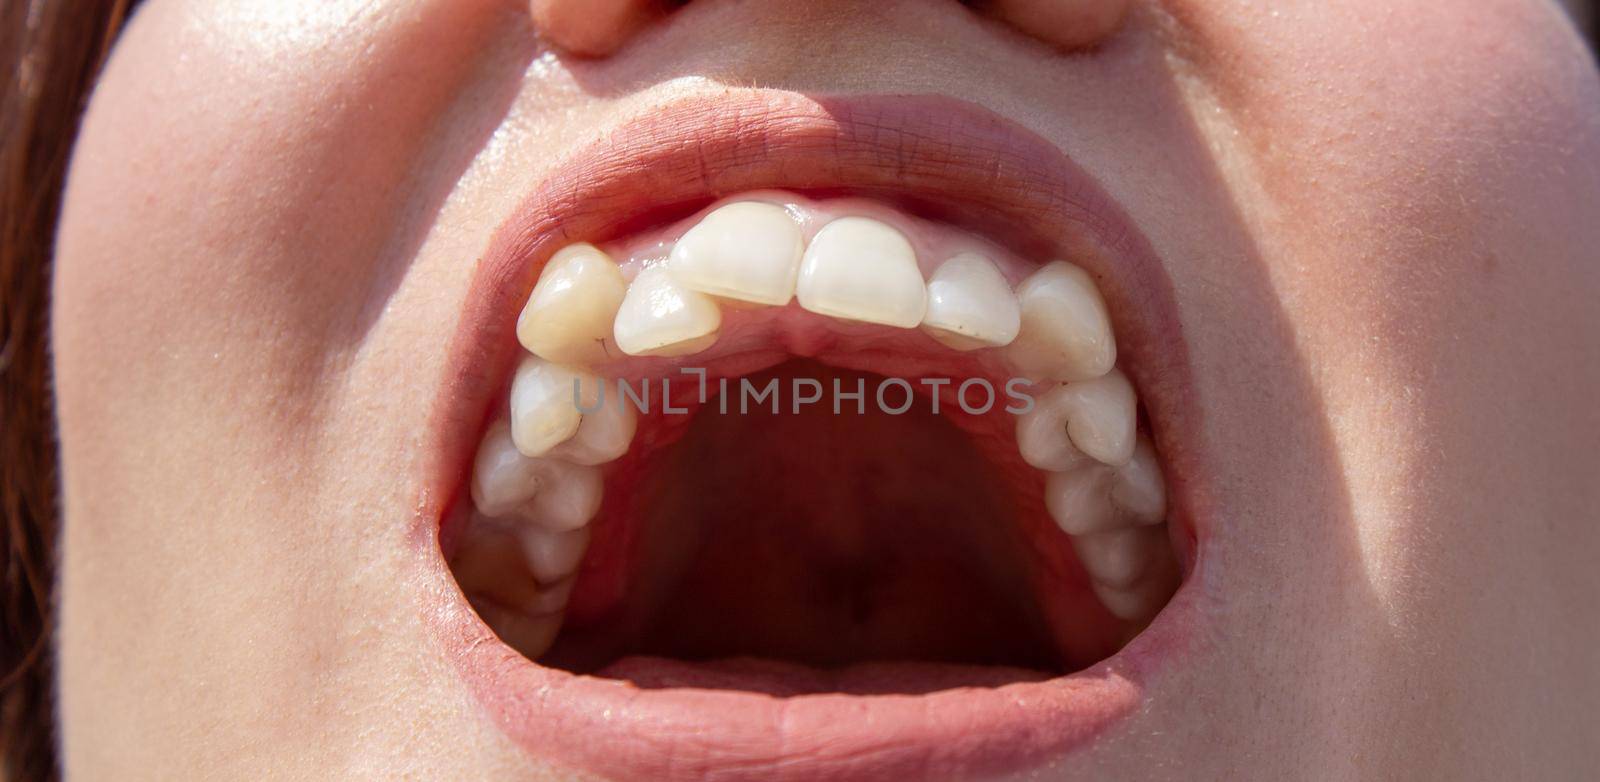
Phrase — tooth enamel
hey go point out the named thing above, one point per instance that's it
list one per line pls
(1138, 490)
(747, 250)
(1139, 601)
(552, 599)
(1042, 433)
(658, 317)
(568, 317)
(532, 636)
(1078, 500)
(544, 410)
(1101, 417)
(603, 435)
(1118, 557)
(502, 478)
(553, 556)
(488, 564)
(1066, 332)
(547, 492)
(861, 269)
(970, 305)
(569, 496)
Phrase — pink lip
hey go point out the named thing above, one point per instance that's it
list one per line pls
(945, 157)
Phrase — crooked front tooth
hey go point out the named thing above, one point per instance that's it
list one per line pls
(568, 316)
(545, 404)
(970, 304)
(659, 317)
(748, 250)
(861, 269)
(1066, 331)
(603, 435)
(552, 556)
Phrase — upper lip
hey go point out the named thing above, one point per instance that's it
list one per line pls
(947, 157)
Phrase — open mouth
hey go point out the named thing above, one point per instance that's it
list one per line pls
(851, 443)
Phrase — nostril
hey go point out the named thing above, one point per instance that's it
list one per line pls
(1065, 24)
(593, 28)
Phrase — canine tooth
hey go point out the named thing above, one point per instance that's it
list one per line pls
(568, 317)
(748, 250)
(553, 556)
(1078, 500)
(569, 496)
(1066, 331)
(544, 407)
(658, 317)
(970, 304)
(861, 269)
(1139, 491)
(1118, 557)
(532, 636)
(1101, 416)
(603, 435)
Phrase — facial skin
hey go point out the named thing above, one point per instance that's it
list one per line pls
(1378, 218)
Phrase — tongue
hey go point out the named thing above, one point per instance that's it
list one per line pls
(827, 539)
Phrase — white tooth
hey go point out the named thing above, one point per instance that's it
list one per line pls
(1129, 603)
(1118, 557)
(970, 304)
(860, 269)
(1138, 490)
(1079, 499)
(658, 317)
(747, 250)
(1042, 437)
(569, 496)
(568, 317)
(553, 556)
(1102, 416)
(604, 434)
(532, 636)
(502, 478)
(544, 405)
(1066, 332)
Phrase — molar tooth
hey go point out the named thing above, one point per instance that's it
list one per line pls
(1139, 490)
(531, 636)
(603, 435)
(861, 269)
(553, 598)
(970, 305)
(553, 556)
(1118, 557)
(658, 317)
(568, 317)
(1066, 331)
(1101, 417)
(748, 250)
(544, 405)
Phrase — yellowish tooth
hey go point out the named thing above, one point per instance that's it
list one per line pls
(531, 636)
(568, 317)
(861, 269)
(1102, 416)
(1118, 557)
(1066, 331)
(552, 598)
(502, 478)
(545, 405)
(747, 250)
(1139, 490)
(605, 434)
(658, 317)
(970, 305)
(569, 496)
(1143, 598)
(1077, 499)
(552, 556)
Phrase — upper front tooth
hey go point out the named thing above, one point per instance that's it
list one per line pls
(568, 317)
(970, 304)
(658, 317)
(604, 434)
(545, 400)
(747, 250)
(860, 269)
(1101, 416)
(1066, 331)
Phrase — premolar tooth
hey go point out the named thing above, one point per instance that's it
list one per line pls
(748, 250)
(544, 405)
(1066, 331)
(531, 636)
(1101, 417)
(502, 478)
(604, 434)
(568, 316)
(658, 317)
(970, 304)
(1139, 490)
(552, 556)
(861, 269)
(569, 496)
(1079, 499)
(1118, 557)
(1042, 437)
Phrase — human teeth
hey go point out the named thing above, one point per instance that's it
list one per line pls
(569, 496)
(747, 250)
(568, 317)
(860, 269)
(531, 636)
(545, 401)
(1139, 601)
(1077, 500)
(1118, 557)
(1101, 417)
(553, 556)
(658, 317)
(1042, 433)
(502, 478)
(1138, 489)
(604, 434)
(548, 492)
(970, 305)
(1066, 331)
